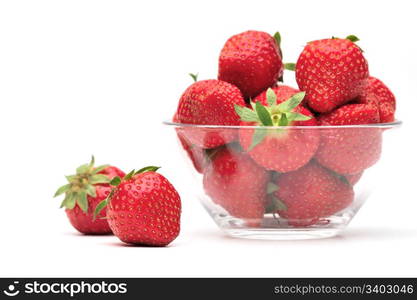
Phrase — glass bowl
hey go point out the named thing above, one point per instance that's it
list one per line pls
(298, 182)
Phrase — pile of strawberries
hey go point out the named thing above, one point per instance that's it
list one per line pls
(303, 173)
(141, 207)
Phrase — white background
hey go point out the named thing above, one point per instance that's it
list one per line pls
(98, 77)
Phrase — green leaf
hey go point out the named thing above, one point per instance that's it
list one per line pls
(270, 207)
(275, 205)
(271, 188)
(283, 121)
(83, 169)
(91, 190)
(129, 175)
(263, 114)
(99, 178)
(116, 180)
(352, 38)
(294, 116)
(194, 76)
(291, 103)
(82, 201)
(99, 169)
(277, 38)
(62, 190)
(70, 177)
(147, 169)
(271, 97)
(290, 66)
(258, 136)
(100, 207)
(246, 114)
(279, 204)
(92, 162)
(69, 201)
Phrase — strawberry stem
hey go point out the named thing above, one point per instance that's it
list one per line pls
(289, 66)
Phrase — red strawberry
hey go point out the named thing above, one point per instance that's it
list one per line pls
(377, 93)
(236, 183)
(331, 72)
(112, 172)
(350, 150)
(278, 149)
(354, 178)
(311, 193)
(252, 61)
(84, 191)
(209, 102)
(196, 154)
(351, 114)
(143, 208)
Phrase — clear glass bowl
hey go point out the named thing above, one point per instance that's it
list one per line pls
(308, 183)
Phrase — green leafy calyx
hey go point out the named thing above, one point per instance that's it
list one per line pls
(81, 185)
(117, 181)
(277, 38)
(273, 204)
(194, 76)
(272, 114)
(352, 38)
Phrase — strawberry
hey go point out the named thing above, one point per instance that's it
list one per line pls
(350, 150)
(196, 154)
(351, 114)
(238, 184)
(143, 208)
(252, 61)
(354, 178)
(278, 149)
(209, 102)
(331, 72)
(378, 94)
(310, 193)
(85, 189)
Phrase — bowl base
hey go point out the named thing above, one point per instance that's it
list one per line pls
(275, 228)
(282, 234)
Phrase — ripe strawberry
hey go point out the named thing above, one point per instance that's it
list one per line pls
(331, 72)
(278, 149)
(350, 150)
(143, 208)
(196, 154)
(378, 94)
(209, 102)
(236, 183)
(351, 114)
(311, 193)
(88, 187)
(354, 178)
(252, 61)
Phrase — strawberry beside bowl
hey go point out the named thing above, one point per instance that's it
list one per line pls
(283, 182)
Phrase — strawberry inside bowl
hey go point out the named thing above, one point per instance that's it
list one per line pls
(284, 181)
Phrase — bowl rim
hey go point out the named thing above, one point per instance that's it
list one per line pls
(395, 124)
